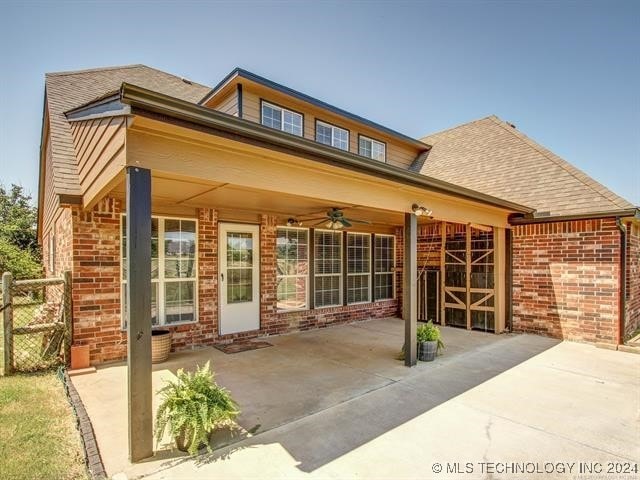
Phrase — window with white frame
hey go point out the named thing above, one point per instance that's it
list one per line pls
(174, 270)
(292, 254)
(332, 135)
(371, 148)
(384, 265)
(327, 268)
(280, 118)
(358, 267)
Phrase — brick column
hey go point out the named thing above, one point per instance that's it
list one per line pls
(268, 272)
(207, 274)
(96, 281)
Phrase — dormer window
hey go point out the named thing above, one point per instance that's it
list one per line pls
(332, 135)
(373, 149)
(280, 118)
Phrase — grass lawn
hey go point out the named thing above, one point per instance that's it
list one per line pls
(38, 437)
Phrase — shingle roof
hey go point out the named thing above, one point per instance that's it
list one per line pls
(68, 90)
(492, 157)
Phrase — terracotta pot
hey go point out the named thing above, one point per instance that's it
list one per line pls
(79, 356)
(160, 345)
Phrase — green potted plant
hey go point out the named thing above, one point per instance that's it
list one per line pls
(429, 342)
(192, 407)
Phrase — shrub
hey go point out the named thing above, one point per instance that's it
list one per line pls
(193, 406)
(430, 333)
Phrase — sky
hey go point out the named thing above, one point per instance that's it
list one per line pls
(567, 74)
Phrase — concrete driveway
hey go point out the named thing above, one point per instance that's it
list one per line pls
(334, 403)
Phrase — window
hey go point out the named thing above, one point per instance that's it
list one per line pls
(292, 253)
(372, 149)
(358, 267)
(332, 135)
(281, 119)
(384, 263)
(327, 268)
(173, 270)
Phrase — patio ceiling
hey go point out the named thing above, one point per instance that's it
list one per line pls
(173, 195)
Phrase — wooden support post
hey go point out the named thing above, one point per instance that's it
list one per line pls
(499, 272)
(468, 274)
(410, 289)
(138, 292)
(443, 244)
(68, 316)
(7, 316)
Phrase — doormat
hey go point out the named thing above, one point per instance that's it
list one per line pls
(238, 347)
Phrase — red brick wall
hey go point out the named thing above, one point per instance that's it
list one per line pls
(95, 237)
(632, 304)
(96, 281)
(274, 322)
(565, 279)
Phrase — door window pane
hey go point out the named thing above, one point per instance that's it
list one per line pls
(239, 267)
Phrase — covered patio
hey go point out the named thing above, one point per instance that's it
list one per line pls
(304, 374)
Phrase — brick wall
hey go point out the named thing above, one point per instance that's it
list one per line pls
(632, 304)
(95, 240)
(274, 322)
(565, 279)
(96, 281)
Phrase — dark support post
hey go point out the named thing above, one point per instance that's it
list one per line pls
(138, 292)
(410, 289)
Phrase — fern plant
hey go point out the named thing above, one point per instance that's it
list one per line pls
(192, 407)
(430, 333)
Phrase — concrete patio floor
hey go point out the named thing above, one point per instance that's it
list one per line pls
(335, 403)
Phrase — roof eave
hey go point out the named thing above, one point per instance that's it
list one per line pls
(148, 100)
(240, 72)
(621, 213)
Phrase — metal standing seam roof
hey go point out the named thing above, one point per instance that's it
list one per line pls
(493, 157)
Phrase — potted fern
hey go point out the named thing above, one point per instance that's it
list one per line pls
(192, 407)
(429, 342)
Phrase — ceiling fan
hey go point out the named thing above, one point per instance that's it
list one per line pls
(334, 220)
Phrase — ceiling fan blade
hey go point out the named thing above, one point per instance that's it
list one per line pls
(344, 222)
(366, 222)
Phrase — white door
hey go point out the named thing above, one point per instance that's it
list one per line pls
(239, 277)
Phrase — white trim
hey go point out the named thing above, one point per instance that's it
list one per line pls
(340, 275)
(282, 110)
(393, 268)
(309, 253)
(376, 142)
(247, 312)
(333, 128)
(371, 267)
(161, 281)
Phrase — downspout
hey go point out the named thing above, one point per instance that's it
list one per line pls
(509, 279)
(623, 279)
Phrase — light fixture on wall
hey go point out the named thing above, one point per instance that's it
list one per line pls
(420, 211)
